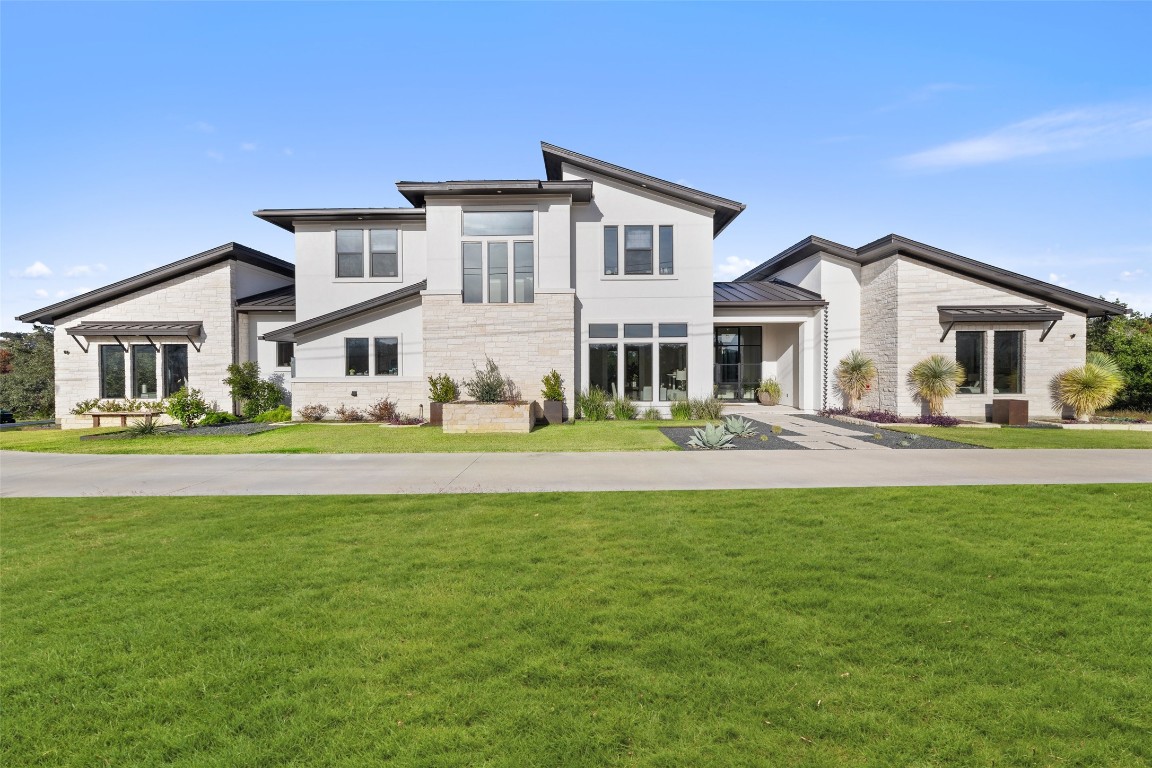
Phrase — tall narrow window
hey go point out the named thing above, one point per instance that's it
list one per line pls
(602, 367)
(349, 253)
(666, 262)
(111, 371)
(637, 250)
(498, 272)
(970, 355)
(356, 357)
(473, 273)
(175, 368)
(144, 371)
(673, 371)
(284, 353)
(1008, 362)
(525, 265)
(387, 356)
(611, 250)
(638, 372)
(385, 244)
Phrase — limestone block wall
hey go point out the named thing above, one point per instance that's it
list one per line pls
(462, 418)
(525, 340)
(206, 295)
(879, 302)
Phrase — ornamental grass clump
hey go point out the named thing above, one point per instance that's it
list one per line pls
(934, 379)
(652, 414)
(706, 409)
(623, 409)
(1088, 388)
(854, 376)
(593, 404)
(681, 410)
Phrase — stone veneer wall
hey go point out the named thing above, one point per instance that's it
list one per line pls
(878, 332)
(206, 295)
(408, 394)
(526, 340)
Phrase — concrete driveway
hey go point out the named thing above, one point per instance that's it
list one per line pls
(43, 474)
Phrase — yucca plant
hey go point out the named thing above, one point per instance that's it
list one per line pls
(1106, 363)
(1088, 388)
(934, 379)
(738, 426)
(713, 437)
(854, 375)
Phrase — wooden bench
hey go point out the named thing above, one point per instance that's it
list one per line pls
(146, 415)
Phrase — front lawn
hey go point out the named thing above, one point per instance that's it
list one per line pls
(840, 627)
(1022, 437)
(360, 438)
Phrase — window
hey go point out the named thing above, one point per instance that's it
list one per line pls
(970, 355)
(665, 250)
(638, 372)
(611, 250)
(144, 371)
(388, 356)
(673, 371)
(285, 351)
(385, 255)
(497, 223)
(525, 288)
(498, 272)
(673, 330)
(356, 357)
(1008, 362)
(637, 330)
(349, 253)
(637, 250)
(602, 367)
(603, 330)
(473, 273)
(111, 371)
(175, 368)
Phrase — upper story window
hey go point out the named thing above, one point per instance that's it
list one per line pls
(495, 247)
(648, 250)
(498, 223)
(382, 253)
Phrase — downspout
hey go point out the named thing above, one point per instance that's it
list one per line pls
(824, 323)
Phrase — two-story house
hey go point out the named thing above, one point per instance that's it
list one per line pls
(599, 272)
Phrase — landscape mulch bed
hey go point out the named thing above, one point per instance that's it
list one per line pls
(765, 441)
(218, 430)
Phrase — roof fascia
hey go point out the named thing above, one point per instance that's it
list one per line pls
(417, 191)
(288, 332)
(806, 248)
(286, 218)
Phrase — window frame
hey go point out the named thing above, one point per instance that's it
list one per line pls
(280, 346)
(155, 372)
(621, 251)
(367, 356)
(104, 394)
(485, 242)
(374, 363)
(982, 356)
(372, 254)
(1021, 362)
(366, 253)
(621, 340)
(163, 373)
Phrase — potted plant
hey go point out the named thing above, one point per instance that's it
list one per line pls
(441, 389)
(553, 394)
(768, 393)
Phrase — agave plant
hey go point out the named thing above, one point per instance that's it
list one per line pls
(934, 379)
(738, 426)
(713, 437)
(1088, 388)
(854, 375)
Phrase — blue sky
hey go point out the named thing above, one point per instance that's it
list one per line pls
(135, 134)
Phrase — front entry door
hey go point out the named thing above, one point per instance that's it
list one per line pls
(737, 362)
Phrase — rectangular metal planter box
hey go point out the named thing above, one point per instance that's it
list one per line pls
(1011, 412)
(553, 412)
(435, 414)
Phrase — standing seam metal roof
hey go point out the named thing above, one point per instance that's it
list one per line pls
(765, 293)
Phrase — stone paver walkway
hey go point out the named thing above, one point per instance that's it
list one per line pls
(813, 434)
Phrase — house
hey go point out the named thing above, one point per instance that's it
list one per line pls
(596, 271)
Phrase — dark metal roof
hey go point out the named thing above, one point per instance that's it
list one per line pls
(723, 209)
(288, 333)
(51, 314)
(416, 191)
(136, 328)
(895, 245)
(286, 218)
(771, 293)
(1034, 313)
(277, 298)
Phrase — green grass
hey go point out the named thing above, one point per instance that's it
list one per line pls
(912, 627)
(1017, 437)
(360, 438)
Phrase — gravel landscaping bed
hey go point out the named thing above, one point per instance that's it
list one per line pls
(218, 430)
(890, 438)
(681, 436)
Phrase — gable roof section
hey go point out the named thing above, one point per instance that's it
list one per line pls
(416, 191)
(229, 251)
(895, 245)
(286, 218)
(723, 209)
(768, 293)
(288, 332)
(277, 298)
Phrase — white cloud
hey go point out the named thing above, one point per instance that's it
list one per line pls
(65, 293)
(84, 270)
(288, 150)
(1130, 275)
(732, 266)
(203, 127)
(1060, 280)
(1101, 131)
(1141, 302)
(248, 146)
(42, 293)
(35, 270)
(212, 154)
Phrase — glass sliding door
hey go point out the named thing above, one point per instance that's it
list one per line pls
(737, 363)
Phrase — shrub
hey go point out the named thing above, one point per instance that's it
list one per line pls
(738, 426)
(652, 414)
(383, 409)
(1086, 389)
(709, 408)
(553, 386)
(681, 410)
(772, 388)
(268, 397)
(214, 418)
(255, 395)
(82, 407)
(142, 428)
(593, 404)
(854, 376)
(344, 413)
(442, 389)
(488, 385)
(511, 392)
(313, 412)
(280, 413)
(1127, 339)
(623, 409)
(131, 404)
(934, 379)
(937, 421)
(186, 405)
(712, 437)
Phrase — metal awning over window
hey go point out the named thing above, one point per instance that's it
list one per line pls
(189, 329)
(1028, 313)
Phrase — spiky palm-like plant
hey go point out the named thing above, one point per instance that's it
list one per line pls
(854, 375)
(1104, 362)
(934, 379)
(1088, 388)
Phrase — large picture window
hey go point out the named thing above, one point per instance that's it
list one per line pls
(111, 371)
(144, 371)
(1008, 362)
(175, 368)
(356, 357)
(349, 253)
(602, 367)
(496, 268)
(970, 355)
(388, 356)
(497, 223)
(673, 371)
(385, 252)
(638, 372)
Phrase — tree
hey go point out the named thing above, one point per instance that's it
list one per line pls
(27, 384)
(1128, 340)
